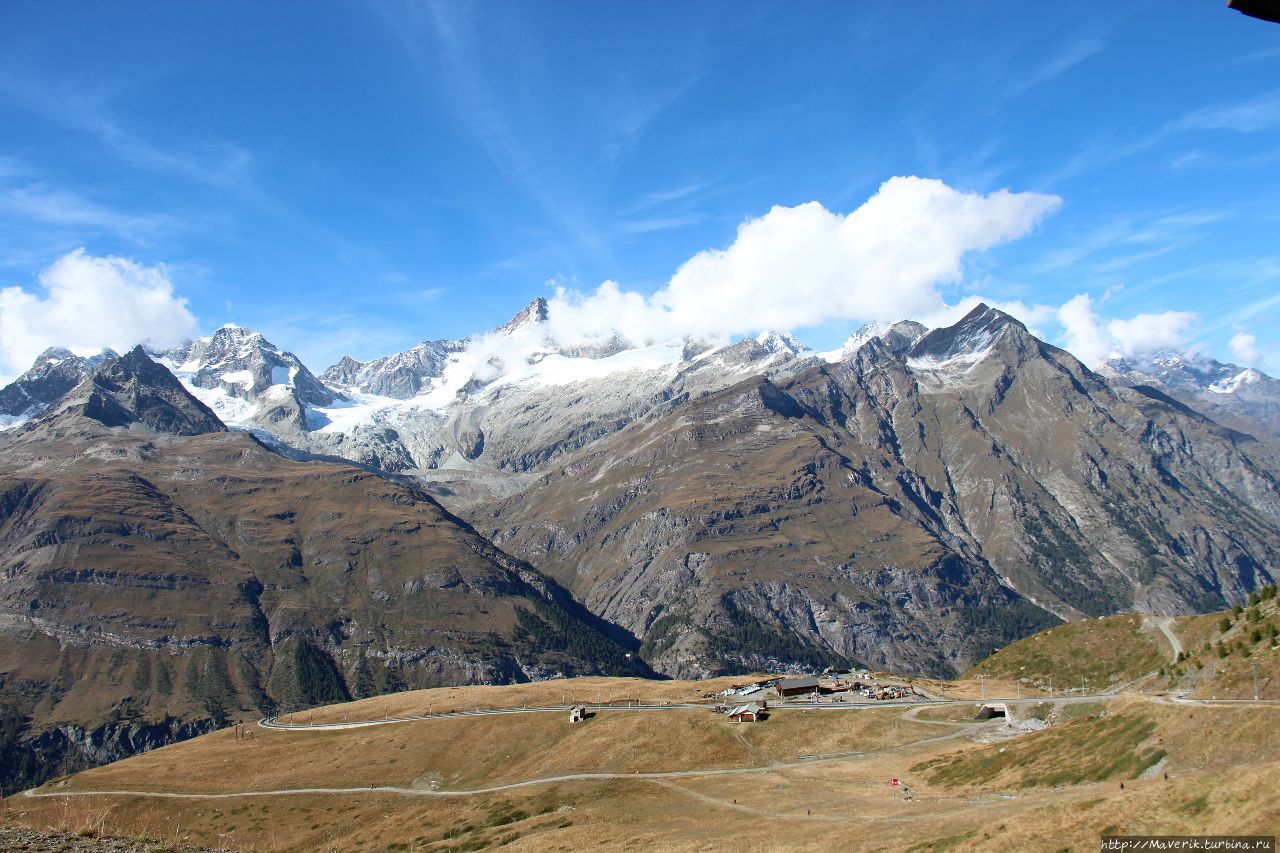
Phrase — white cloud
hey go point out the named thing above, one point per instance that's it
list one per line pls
(1082, 331)
(1244, 348)
(1092, 340)
(89, 303)
(802, 266)
(1148, 332)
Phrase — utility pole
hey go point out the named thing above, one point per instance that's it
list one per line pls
(982, 686)
(1255, 679)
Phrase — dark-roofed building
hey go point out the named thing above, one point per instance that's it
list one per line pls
(797, 686)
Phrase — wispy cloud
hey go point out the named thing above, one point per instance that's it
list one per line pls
(439, 41)
(1247, 116)
(225, 168)
(1110, 247)
(87, 111)
(36, 202)
(1255, 114)
(1058, 64)
(1256, 56)
(659, 198)
(664, 223)
(512, 110)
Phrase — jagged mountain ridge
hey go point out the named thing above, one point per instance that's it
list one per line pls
(896, 337)
(248, 380)
(399, 376)
(127, 390)
(548, 408)
(1239, 397)
(863, 508)
(162, 574)
(54, 372)
(473, 426)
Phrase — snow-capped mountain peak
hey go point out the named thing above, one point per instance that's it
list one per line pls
(1242, 398)
(242, 376)
(53, 355)
(532, 317)
(966, 343)
(54, 372)
(897, 337)
(1248, 376)
(400, 376)
(780, 342)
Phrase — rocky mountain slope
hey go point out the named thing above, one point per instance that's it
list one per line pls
(910, 510)
(1235, 396)
(468, 418)
(247, 379)
(55, 372)
(399, 376)
(163, 574)
(909, 500)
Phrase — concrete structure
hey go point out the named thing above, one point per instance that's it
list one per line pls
(577, 713)
(991, 710)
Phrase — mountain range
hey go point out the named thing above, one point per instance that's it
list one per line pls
(214, 530)
(163, 574)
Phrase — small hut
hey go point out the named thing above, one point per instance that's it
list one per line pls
(752, 712)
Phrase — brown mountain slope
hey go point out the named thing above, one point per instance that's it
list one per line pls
(902, 510)
(155, 584)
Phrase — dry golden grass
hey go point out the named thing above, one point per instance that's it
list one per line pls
(1221, 765)
(1228, 673)
(1094, 653)
(591, 690)
(497, 750)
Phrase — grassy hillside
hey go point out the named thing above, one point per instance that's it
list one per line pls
(813, 779)
(1095, 653)
(1223, 651)
(1095, 748)
(1220, 654)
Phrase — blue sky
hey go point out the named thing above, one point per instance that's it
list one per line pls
(354, 178)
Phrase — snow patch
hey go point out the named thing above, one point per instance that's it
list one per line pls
(964, 360)
(8, 422)
(231, 410)
(1248, 376)
(345, 417)
(243, 378)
